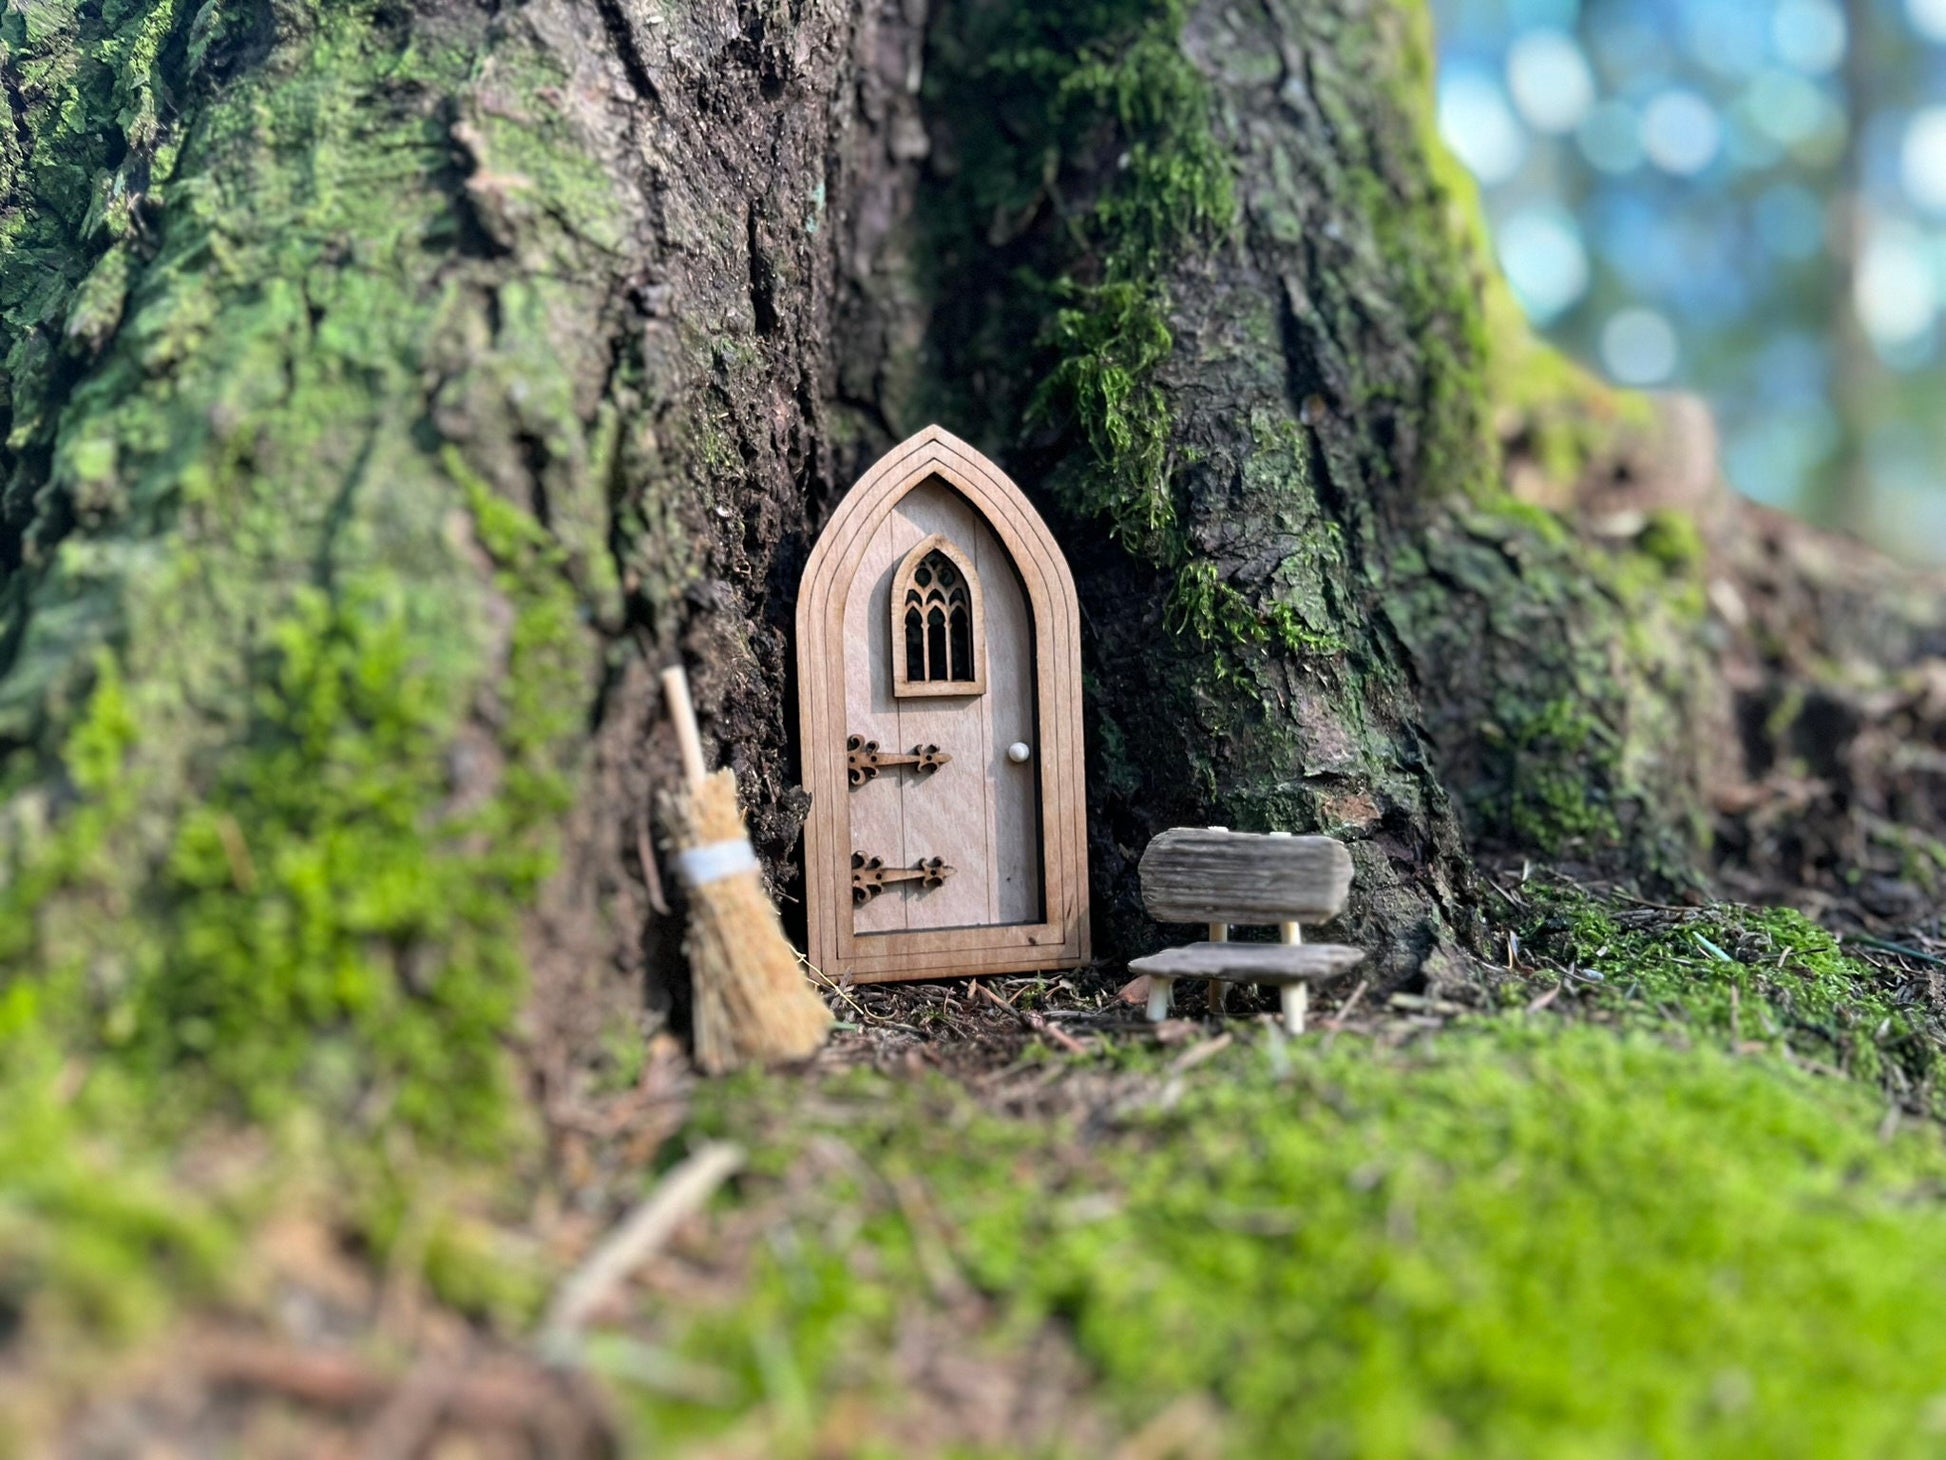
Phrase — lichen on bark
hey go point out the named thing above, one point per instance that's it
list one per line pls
(331, 653)
(389, 388)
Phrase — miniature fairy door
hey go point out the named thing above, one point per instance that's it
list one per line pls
(939, 673)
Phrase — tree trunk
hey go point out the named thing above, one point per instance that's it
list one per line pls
(391, 388)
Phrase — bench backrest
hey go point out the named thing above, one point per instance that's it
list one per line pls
(1206, 875)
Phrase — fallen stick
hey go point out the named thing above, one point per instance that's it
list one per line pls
(1035, 1022)
(491, 1393)
(1337, 1020)
(639, 1236)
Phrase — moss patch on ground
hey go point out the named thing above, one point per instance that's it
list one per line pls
(1520, 1239)
(96, 1240)
(1665, 1211)
(1742, 977)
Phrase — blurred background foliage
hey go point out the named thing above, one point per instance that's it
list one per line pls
(1743, 198)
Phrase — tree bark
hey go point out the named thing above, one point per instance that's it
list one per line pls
(391, 388)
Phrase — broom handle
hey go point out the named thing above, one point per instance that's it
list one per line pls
(675, 689)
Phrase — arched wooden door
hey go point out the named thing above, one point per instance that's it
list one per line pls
(939, 673)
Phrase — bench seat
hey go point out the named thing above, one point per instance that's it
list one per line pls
(1289, 967)
(1273, 963)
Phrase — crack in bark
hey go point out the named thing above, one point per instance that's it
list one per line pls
(621, 35)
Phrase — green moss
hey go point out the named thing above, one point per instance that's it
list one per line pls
(1497, 380)
(81, 173)
(1570, 731)
(1548, 406)
(1432, 234)
(291, 684)
(1099, 99)
(1584, 678)
(93, 1236)
(1561, 761)
(1672, 540)
(1172, 183)
(1507, 1242)
(432, 1222)
(1742, 975)
(1217, 615)
(1106, 349)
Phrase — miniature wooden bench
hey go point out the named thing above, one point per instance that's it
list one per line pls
(1220, 878)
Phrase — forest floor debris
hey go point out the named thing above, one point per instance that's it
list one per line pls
(1009, 1216)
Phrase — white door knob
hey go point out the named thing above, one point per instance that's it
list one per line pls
(1018, 752)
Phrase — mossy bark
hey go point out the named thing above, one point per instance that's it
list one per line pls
(390, 388)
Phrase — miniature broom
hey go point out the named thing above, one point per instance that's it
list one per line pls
(751, 1003)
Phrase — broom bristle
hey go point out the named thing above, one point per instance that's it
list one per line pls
(752, 1002)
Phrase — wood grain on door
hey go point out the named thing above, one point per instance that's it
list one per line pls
(980, 812)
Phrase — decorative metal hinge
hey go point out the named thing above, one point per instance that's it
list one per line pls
(869, 875)
(864, 760)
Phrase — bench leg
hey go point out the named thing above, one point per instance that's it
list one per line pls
(1291, 933)
(1219, 992)
(1297, 998)
(1160, 997)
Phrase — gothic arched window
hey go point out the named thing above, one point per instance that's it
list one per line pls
(937, 644)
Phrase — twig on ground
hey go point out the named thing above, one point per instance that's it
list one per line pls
(1547, 998)
(492, 1394)
(1190, 1058)
(639, 1237)
(1035, 1022)
(820, 980)
(930, 1245)
(1890, 947)
(1425, 1004)
(1337, 1020)
(1508, 893)
(1000, 999)
(324, 1378)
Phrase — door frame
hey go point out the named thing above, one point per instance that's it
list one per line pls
(1061, 939)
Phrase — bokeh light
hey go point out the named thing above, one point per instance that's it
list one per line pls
(1922, 159)
(1680, 132)
(1746, 198)
(1477, 123)
(1639, 347)
(1549, 77)
(1928, 18)
(1809, 35)
(1544, 259)
(1894, 288)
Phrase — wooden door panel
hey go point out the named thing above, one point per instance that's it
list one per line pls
(980, 812)
(875, 810)
(1014, 832)
(1011, 717)
(949, 813)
